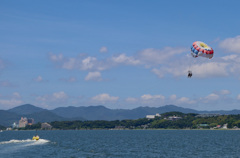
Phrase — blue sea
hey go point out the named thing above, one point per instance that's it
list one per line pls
(121, 143)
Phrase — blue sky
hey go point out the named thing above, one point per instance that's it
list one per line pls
(120, 54)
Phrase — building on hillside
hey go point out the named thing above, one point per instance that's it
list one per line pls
(150, 116)
(30, 121)
(46, 126)
(208, 115)
(225, 126)
(202, 126)
(23, 122)
(174, 118)
(153, 116)
(14, 125)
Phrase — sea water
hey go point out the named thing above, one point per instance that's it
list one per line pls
(121, 143)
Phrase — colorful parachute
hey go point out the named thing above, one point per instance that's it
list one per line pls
(199, 48)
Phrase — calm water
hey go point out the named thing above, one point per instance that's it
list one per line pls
(121, 143)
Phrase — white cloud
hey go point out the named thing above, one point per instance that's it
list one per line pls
(6, 84)
(10, 103)
(69, 64)
(154, 56)
(158, 72)
(232, 57)
(173, 61)
(150, 97)
(173, 97)
(212, 69)
(103, 49)
(123, 59)
(131, 99)
(16, 95)
(38, 79)
(211, 97)
(104, 98)
(224, 92)
(88, 63)
(54, 57)
(55, 97)
(185, 100)
(59, 95)
(95, 76)
(238, 97)
(231, 44)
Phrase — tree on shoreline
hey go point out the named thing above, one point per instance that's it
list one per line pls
(185, 121)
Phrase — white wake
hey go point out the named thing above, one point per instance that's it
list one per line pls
(27, 142)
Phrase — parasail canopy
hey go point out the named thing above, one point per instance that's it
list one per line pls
(199, 48)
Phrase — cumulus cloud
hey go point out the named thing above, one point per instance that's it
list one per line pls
(147, 57)
(81, 62)
(150, 97)
(158, 72)
(173, 97)
(10, 101)
(59, 95)
(212, 69)
(6, 84)
(103, 49)
(131, 99)
(16, 95)
(88, 63)
(161, 62)
(224, 92)
(210, 101)
(211, 97)
(102, 98)
(155, 56)
(95, 76)
(238, 97)
(123, 59)
(56, 57)
(55, 97)
(233, 57)
(231, 44)
(7, 104)
(69, 64)
(185, 100)
(38, 79)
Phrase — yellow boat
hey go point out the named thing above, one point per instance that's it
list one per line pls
(35, 137)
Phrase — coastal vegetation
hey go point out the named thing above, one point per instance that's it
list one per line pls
(2, 127)
(165, 121)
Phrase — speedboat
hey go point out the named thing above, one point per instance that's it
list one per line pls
(35, 137)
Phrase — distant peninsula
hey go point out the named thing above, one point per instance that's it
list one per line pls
(111, 118)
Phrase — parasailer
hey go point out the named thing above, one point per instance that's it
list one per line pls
(189, 74)
(199, 48)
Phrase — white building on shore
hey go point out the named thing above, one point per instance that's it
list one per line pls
(153, 116)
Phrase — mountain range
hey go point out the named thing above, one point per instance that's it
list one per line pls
(7, 117)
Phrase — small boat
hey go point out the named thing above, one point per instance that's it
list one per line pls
(35, 137)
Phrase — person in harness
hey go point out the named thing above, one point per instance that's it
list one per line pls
(189, 74)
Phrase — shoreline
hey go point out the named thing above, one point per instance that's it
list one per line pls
(230, 129)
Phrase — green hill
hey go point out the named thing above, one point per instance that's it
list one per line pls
(25, 109)
(8, 118)
(45, 116)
